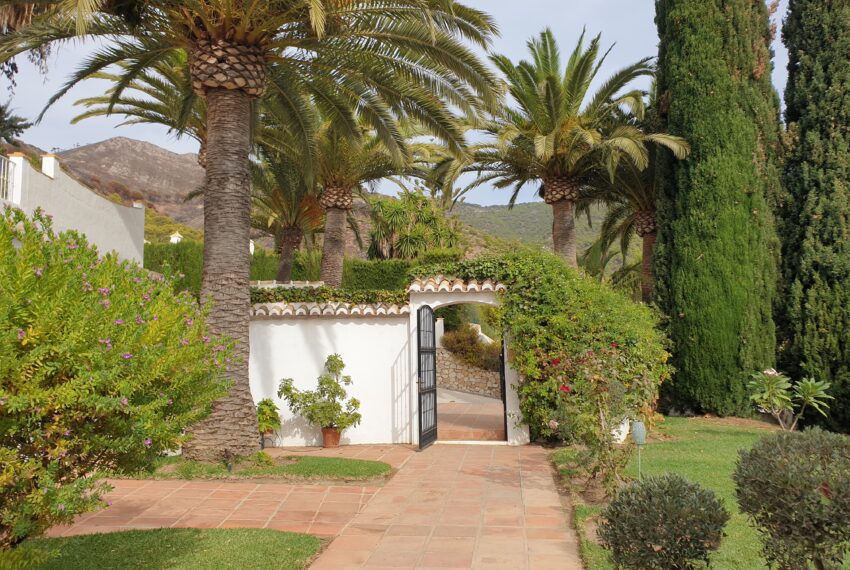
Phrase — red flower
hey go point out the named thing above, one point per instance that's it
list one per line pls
(556, 361)
(614, 345)
(565, 389)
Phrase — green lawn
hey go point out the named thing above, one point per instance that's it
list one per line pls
(290, 467)
(180, 549)
(704, 451)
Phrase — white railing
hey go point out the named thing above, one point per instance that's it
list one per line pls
(7, 175)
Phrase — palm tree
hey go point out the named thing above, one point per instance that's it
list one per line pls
(343, 167)
(386, 59)
(559, 135)
(11, 126)
(410, 225)
(630, 200)
(286, 205)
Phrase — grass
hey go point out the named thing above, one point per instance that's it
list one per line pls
(263, 466)
(704, 451)
(178, 549)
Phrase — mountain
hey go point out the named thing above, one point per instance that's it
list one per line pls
(529, 223)
(137, 170)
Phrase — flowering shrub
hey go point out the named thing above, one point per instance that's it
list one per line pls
(102, 367)
(466, 344)
(576, 343)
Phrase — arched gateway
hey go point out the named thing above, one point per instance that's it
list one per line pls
(389, 351)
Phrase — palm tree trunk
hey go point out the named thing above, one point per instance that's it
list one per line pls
(333, 249)
(231, 429)
(290, 240)
(647, 280)
(564, 230)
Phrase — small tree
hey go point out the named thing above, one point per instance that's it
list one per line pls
(102, 368)
(773, 394)
(268, 418)
(326, 406)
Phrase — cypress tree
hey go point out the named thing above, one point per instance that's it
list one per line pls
(717, 251)
(816, 244)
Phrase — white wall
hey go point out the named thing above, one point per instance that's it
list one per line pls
(109, 226)
(375, 352)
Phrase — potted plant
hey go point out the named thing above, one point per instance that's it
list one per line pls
(268, 419)
(328, 406)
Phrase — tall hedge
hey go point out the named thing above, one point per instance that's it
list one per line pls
(816, 247)
(717, 251)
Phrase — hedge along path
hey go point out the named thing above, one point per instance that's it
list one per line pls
(553, 313)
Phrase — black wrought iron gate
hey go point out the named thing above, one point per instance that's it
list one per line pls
(427, 346)
(503, 383)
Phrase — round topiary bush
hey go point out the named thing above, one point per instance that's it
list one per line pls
(663, 523)
(796, 489)
(102, 368)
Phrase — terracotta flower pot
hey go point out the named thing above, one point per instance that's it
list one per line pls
(330, 437)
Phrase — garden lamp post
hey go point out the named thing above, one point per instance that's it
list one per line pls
(639, 437)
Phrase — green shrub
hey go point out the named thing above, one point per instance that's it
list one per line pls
(184, 261)
(268, 416)
(796, 489)
(327, 295)
(439, 255)
(390, 274)
(554, 314)
(264, 265)
(325, 407)
(102, 367)
(663, 523)
(466, 345)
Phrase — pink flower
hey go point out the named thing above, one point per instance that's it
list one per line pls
(66, 433)
(556, 361)
(39, 271)
(553, 424)
(126, 356)
(148, 442)
(124, 402)
(565, 389)
(206, 339)
(106, 303)
(103, 291)
(21, 334)
(139, 320)
(184, 342)
(189, 322)
(119, 321)
(106, 341)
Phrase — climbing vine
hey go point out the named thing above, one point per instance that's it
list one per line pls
(556, 320)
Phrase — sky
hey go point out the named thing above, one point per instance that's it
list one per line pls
(628, 24)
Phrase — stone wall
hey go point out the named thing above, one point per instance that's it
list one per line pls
(454, 374)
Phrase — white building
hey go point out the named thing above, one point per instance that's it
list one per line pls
(73, 206)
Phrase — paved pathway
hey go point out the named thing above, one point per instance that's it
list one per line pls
(323, 510)
(451, 506)
(469, 417)
(461, 506)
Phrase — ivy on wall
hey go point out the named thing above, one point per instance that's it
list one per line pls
(555, 318)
